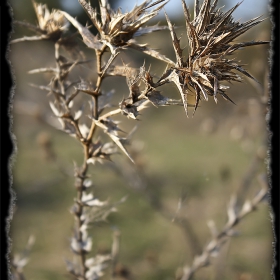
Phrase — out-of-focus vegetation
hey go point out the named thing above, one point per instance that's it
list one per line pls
(202, 159)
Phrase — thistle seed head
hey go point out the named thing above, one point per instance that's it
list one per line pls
(51, 23)
(118, 28)
(51, 26)
(211, 36)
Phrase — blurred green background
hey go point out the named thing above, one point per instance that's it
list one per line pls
(201, 161)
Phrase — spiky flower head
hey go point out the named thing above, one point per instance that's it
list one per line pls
(118, 28)
(210, 34)
(51, 25)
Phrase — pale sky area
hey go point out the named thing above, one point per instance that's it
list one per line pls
(247, 10)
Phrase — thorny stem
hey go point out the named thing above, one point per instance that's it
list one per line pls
(99, 54)
(60, 78)
(259, 156)
(82, 173)
(73, 95)
(203, 259)
(81, 176)
(95, 116)
(80, 208)
(111, 113)
(79, 134)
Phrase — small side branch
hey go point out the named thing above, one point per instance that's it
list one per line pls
(219, 238)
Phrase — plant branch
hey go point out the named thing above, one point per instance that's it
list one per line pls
(219, 238)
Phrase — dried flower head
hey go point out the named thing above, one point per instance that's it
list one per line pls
(210, 35)
(51, 25)
(118, 28)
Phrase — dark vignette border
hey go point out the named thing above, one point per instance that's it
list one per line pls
(5, 140)
(274, 125)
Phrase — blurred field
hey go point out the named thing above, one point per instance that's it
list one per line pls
(203, 159)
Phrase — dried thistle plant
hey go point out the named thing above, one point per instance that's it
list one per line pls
(51, 25)
(211, 36)
(235, 215)
(20, 260)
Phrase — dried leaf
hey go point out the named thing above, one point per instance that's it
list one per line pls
(114, 137)
(158, 99)
(121, 70)
(151, 52)
(128, 109)
(89, 39)
(149, 29)
(226, 97)
(175, 79)
(176, 44)
(201, 88)
(119, 141)
(203, 18)
(92, 14)
(232, 216)
(197, 99)
(86, 87)
(43, 70)
(31, 38)
(191, 32)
